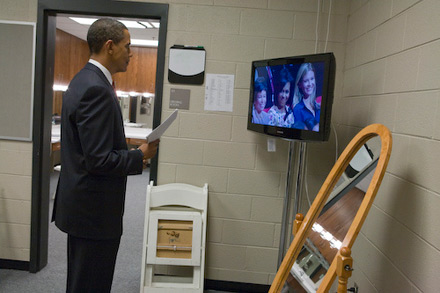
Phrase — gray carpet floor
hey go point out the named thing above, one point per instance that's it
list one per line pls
(128, 266)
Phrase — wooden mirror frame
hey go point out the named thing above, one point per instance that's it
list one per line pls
(304, 227)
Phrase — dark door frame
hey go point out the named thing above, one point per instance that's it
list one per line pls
(44, 70)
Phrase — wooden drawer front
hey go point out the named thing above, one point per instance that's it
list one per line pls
(174, 239)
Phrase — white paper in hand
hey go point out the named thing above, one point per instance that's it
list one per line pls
(158, 131)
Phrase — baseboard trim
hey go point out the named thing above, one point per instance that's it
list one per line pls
(14, 264)
(235, 286)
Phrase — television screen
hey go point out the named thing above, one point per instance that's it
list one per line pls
(292, 97)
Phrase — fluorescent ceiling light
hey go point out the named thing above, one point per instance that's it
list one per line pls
(127, 23)
(147, 24)
(82, 20)
(59, 87)
(144, 43)
(148, 95)
(122, 94)
(131, 24)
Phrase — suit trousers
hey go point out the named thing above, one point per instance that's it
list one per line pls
(90, 264)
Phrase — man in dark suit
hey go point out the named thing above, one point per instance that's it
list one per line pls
(95, 162)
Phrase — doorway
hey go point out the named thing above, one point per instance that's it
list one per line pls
(45, 50)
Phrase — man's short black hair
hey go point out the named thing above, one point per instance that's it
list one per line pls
(101, 31)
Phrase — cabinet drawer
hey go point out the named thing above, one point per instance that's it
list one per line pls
(174, 239)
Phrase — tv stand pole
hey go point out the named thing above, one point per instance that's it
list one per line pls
(300, 166)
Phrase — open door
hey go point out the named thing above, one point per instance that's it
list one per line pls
(42, 115)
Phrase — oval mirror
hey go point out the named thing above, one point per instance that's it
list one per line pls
(336, 215)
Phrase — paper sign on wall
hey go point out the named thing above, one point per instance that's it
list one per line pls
(219, 92)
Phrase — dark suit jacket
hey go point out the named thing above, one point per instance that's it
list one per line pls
(95, 161)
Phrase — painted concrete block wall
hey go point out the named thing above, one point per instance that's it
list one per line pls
(16, 167)
(246, 182)
(392, 76)
(387, 72)
(15, 199)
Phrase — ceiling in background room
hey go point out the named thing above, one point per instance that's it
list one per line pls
(143, 32)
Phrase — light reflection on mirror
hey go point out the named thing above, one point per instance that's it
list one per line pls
(327, 234)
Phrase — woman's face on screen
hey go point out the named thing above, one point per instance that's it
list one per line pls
(307, 84)
(283, 95)
(260, 101)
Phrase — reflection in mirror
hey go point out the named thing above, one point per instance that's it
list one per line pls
(136, 110)
(327, 233)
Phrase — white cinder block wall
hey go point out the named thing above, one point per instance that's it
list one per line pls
(388, 72)
(246, 183)
(392, 76)
(15, 199)
(16, 166)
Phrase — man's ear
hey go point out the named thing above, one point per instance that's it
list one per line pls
(109, 46)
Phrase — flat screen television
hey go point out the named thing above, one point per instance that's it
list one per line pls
(292, 97)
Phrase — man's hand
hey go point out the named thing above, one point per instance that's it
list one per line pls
(145, 163)
(149, 149)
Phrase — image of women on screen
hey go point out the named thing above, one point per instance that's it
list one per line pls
(259, 115)
(281, 113)
(306, 105)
